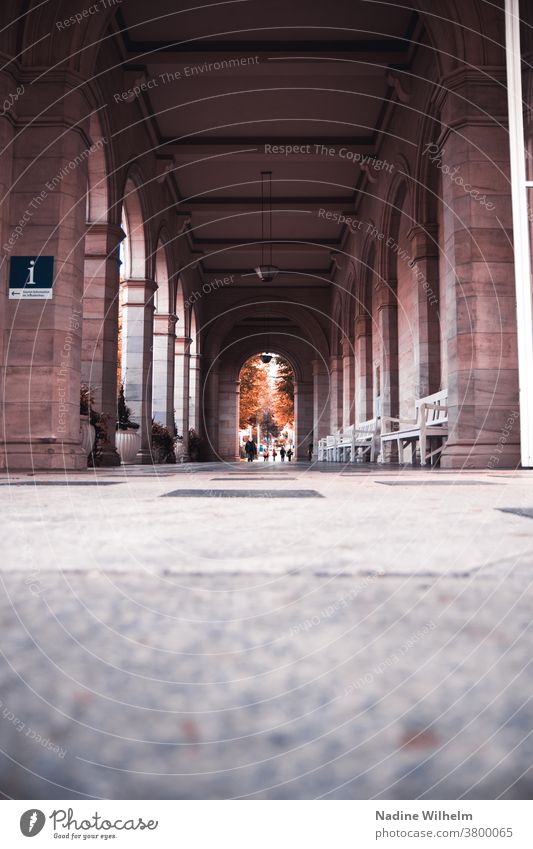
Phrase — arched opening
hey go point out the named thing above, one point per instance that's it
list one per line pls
(266, 408)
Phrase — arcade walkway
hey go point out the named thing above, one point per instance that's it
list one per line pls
(278, 646)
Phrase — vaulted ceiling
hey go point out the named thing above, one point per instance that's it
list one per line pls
(224, 84)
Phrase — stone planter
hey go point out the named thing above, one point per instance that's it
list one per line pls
(87, 435)
(128, 443)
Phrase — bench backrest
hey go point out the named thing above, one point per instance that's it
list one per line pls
(370, 426)
(433, 415)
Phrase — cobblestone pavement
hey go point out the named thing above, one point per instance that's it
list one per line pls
(371, 642)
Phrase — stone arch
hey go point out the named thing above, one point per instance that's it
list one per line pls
(221, 426)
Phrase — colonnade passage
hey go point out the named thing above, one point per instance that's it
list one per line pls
(176, 200)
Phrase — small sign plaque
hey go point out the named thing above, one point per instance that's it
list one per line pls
(31, 277)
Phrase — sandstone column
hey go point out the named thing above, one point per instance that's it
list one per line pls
(181, 386)
(321, 401)
(163, 369)
(363, 368)
(335, 420)
(100, 325)
(473, 155)
(348, 383)
(42, 371)
(426, 323)
(137, 344)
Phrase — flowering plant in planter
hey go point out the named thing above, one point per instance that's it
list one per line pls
(162, 443)
(94, 440)
(196, 446)
(124, 421)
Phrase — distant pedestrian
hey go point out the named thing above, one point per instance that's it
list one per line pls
(265, 455)
(249, 450)
(282, 453)
(274, 455)
(290, 452)
(310, 451)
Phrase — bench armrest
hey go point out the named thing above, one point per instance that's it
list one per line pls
(434, 406)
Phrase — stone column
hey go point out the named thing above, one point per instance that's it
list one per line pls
(303, 417)
(195, 391)
(100, 325)
(335, 408)
(348, 383)
(163, 369)
(137, 345)
(363, 368)
(181, 386)
(10, 90)
(210, 406)
(426, 323)
(321, 402)
(473, 158)
(42, 365)
(228, 418)
(388, 329)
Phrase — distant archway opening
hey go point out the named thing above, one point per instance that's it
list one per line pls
(266, 408)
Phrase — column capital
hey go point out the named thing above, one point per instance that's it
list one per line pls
(164, 324)
(424, 240)
(363, 326)
(139, 293)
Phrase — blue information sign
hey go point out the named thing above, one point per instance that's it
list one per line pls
(31, 277)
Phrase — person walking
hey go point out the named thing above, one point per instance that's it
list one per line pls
(265, 455)
(282, 453)
(310, 451)
(274, 455)
(249, 450)
(290, 452)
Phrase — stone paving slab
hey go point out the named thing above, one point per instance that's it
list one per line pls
(305, 687)
(372, 642)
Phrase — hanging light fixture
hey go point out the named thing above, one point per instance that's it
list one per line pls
(266, 271)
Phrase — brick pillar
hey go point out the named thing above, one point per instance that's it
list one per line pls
(163, 369)
(335, 408)
(100, 325)
(348, 383)
(42, 365)
(473, 158)
(137, 344)
(363, 368)
(426, 323)
(181, 386)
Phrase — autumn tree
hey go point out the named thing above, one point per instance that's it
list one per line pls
(254, 392)
(283, 394)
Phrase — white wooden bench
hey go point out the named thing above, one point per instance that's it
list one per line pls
(358, 440)
(431, 422)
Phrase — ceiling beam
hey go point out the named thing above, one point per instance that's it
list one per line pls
(278, 247)
(222, 205)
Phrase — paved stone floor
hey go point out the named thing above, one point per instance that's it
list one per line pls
(370, 641)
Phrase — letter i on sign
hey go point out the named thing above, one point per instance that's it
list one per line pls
(30, 281)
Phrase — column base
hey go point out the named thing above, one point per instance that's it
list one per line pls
(145, 458)
(476, 455)
(36, 456)
(109, 457)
